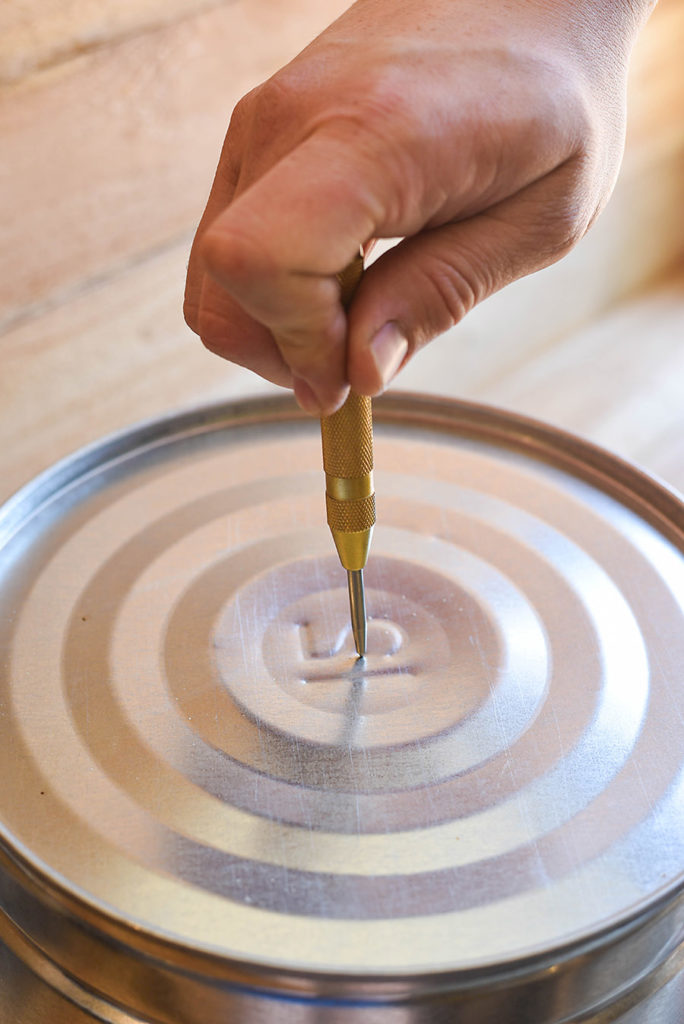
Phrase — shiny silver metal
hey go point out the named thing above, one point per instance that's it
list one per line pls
(357, 610)
(211, 811)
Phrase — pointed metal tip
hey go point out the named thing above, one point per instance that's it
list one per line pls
(357, 608)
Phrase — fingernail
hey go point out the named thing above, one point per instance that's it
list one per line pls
(388, 349)
(305, 397)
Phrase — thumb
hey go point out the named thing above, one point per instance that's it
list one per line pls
(429, 282)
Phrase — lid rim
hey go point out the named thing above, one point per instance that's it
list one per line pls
(78, 910)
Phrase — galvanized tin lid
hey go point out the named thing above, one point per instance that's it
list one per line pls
(190, 753)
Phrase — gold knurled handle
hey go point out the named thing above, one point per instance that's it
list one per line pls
(350, 516)
(347, 438)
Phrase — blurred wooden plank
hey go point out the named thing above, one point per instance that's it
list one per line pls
(111, 154)
(656, 82)
(37, 33)
(619, 382)
(117, 353)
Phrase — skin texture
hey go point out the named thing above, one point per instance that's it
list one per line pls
(487, 135)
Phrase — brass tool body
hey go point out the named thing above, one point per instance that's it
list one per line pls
(347, 438)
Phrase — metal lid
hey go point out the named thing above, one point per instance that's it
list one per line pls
(189, 749)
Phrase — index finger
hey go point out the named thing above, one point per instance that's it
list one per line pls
(221, 193)
(279, 245)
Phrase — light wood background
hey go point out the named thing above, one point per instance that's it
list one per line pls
(112, 113)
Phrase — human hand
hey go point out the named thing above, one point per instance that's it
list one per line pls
(488, 136)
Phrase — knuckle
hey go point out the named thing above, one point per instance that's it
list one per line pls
(568, 233)
(268, 114)
(568, 221)
(256, 111)
(383, 124)
(457, 286)
(236, 257)
(304, 348)
(279, 101)
(190, 315)
(212, 346)
(243, 110)
(212, 332)
(384, 95)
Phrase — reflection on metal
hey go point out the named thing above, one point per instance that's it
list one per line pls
(210, 809)
(357, 610)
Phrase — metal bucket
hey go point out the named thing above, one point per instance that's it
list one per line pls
(210, 812)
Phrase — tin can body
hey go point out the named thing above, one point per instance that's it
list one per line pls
(27, 997)
(213, 811)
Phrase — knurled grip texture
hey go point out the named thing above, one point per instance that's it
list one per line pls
(350, 516)
(347, 438)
